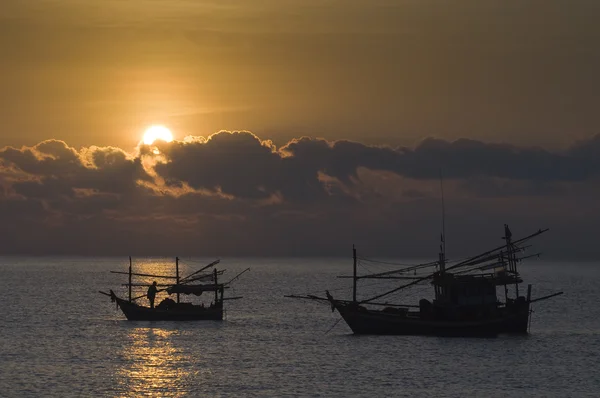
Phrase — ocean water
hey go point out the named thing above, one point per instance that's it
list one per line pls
(60, 338)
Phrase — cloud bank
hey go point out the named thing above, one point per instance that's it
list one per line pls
(235, 194)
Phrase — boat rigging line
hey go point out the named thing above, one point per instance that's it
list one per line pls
(237, 276)
(200, 270)
(334, 325)
(487, 255)
(389, 262)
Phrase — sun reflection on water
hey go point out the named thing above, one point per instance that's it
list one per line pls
(159, 358)
(152, 365)
(158, 266)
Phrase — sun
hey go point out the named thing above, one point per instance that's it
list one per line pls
(156, 132)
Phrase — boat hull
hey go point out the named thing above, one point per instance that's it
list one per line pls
(179, 312)
(365, 321)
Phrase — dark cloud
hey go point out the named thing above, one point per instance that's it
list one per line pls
(494, 187)
(48, 158)
(458, 159)
(242, 165)
(238, 164)
(52, 169)
(235, 194)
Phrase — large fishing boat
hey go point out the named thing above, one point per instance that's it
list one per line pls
(466, 302)
(176, 310)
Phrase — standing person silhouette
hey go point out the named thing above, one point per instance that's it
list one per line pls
(151, 294)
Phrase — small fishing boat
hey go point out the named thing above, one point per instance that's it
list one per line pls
(176, 310)
(466, 302)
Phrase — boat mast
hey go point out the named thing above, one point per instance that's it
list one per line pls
(443, 237)
(441, 290)
(216, 286)
(510, 252)
(354, 278)
(505, 288)
(129, 287)
(177, 275)
(458, 265)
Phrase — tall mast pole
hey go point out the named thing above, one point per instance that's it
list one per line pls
(505, 288)
(443, 238)
(512, 262)
(354, 274)
(177, 275)
(455, 266)
(129, 279)
(216, 286)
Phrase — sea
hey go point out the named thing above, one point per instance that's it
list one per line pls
(59, 337)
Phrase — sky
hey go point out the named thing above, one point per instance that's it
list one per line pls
(301, 127)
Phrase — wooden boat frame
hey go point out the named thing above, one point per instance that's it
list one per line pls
(447, 315)
(171, 310)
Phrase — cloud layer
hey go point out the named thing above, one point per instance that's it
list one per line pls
(236, 194)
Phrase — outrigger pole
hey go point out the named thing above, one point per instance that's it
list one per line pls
(178, 280)
(137, 274)
(237, 276)
(546, 297)
(466, 262)
(200, 270)
(386, 274)
(461, 264)
(316, 298)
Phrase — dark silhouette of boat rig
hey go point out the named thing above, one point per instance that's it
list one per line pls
(466, 301)
(176, 310)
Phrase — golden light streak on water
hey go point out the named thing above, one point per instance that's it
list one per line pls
(154, 366)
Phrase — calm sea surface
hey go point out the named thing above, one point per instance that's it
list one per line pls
(60, 338)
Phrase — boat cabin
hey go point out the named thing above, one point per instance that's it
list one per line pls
(469, 290)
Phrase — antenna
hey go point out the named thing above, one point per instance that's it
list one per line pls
(443, 237)
(443, 212)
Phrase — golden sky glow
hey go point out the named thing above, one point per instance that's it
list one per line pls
(377, 71)
(300, 125)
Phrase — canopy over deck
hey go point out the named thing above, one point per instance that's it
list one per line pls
(194, 289)
(496, 279)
